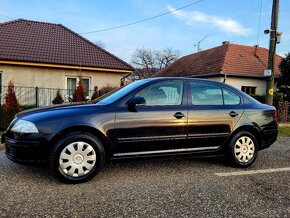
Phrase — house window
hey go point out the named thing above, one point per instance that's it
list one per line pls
(72, 82)
(0, 79)
(1, 97)
(71, 85)
(0, 82)
(250, 90)
(86, 83)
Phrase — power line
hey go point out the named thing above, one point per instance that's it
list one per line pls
(258, 34)
(140, 21)
(11, 18)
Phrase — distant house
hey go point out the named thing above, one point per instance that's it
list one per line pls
(243, 66)
(46, 55)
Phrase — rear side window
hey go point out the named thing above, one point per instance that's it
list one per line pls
(208, 94)
(231, 98)
(163, 93)
(205, 94)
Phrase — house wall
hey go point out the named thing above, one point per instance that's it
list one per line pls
(238, 82)
(48, 80)
(53, 77)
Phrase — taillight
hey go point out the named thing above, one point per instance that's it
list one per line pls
(276, 115)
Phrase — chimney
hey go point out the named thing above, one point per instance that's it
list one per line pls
(255, 50)
(225, 42)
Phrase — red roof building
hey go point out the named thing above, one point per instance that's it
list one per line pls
(50, 55)
(39, 42)
(243, 66)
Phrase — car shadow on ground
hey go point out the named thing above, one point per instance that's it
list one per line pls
(118, 168)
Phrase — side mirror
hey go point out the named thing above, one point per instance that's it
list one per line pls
(136, 101)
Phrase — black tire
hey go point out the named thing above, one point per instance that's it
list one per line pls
(242, 149)
(84, 154)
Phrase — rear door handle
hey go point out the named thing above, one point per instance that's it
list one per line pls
(178, 115)
(233, 114)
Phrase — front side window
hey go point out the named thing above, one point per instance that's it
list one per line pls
(205, 94)
(163, 93)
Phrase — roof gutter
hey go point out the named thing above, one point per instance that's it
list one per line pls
(230, 75)
(206, 75)
(33, 64)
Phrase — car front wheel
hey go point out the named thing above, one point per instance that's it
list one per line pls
(243, 149)
(77, 157)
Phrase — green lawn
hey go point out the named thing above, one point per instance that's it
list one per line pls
(284, 130)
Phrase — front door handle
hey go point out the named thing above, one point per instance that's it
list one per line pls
(233, 114)
(178, 115)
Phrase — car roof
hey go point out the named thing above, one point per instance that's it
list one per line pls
(202, 80)
(188, 78)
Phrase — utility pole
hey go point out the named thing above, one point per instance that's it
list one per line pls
(272, 51)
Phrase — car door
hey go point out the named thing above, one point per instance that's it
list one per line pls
(213, 112)
(158, 126)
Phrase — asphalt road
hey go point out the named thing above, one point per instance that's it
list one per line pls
(171, 187)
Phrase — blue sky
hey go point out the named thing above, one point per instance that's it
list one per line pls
(221, 20)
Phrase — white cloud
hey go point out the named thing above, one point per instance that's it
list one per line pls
(225, 24)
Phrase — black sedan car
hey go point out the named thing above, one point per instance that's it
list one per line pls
(152, 117)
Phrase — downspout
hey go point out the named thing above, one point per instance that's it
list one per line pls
(225, 76)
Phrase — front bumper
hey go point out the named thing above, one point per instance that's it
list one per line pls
(27, 152)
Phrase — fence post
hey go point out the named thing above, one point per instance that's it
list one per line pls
(286, 104)
(0, 94)
(36, 96)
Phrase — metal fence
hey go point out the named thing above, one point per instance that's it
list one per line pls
(35, 96)
(284, 112)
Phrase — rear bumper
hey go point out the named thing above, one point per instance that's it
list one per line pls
(25, 152)
(269, 137)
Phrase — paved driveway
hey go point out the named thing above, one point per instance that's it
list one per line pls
(203, 187)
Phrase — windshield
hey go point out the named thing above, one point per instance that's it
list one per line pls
(117, 94)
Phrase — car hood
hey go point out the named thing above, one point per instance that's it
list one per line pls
(47, 108)
(54, 112)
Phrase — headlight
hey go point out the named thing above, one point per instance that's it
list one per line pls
(23, 126)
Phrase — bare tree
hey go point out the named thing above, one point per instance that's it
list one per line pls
(166, 57)
(144, 59)
(150, 61)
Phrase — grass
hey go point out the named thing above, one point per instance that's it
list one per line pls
(284, 130)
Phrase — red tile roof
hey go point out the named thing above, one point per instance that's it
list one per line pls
(31, 41)
(230, 59)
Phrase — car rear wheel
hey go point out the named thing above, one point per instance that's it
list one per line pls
(77, 157)
(243, 149)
